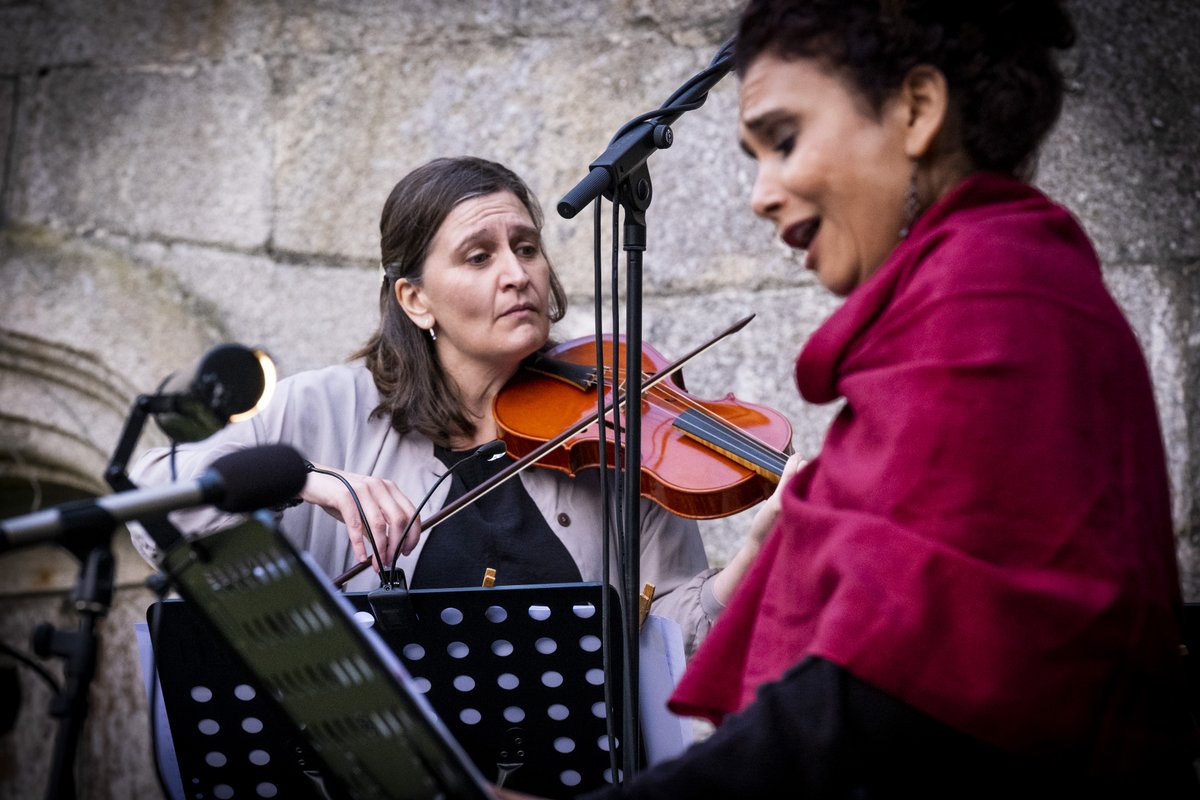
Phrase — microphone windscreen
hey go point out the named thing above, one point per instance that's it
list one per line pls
(259, 477)
(229, 379)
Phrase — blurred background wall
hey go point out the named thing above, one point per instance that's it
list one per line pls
(180, 174)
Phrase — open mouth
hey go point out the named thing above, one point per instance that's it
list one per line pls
(801, 234)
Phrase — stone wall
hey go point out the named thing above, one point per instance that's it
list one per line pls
(181, 174)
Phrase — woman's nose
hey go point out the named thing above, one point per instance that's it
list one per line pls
(767, 195)
(514, 271)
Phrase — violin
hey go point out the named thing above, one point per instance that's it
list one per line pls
(700, 459)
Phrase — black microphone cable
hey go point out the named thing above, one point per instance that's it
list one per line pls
(610, 524)
(721, 63)
(362, 515)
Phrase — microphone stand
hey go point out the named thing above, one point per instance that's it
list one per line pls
(92, 599)
(621, 175)
(91, 544)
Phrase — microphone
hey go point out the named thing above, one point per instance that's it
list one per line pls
(240, 482)
(229, 383)
(491, 450)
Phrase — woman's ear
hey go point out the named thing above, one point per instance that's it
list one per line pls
(412, 301)
(925, 98)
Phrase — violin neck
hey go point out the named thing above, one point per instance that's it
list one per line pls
(733, 443)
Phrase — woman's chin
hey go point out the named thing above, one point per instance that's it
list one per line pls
(530, 341)
(840, 282)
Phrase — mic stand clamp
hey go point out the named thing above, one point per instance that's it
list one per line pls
(391, 603)
(621, 164)
(637, 140)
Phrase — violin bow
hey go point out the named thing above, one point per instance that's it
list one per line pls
(528, 460)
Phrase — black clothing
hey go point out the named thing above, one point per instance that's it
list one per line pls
(819, 732)
(499, 531)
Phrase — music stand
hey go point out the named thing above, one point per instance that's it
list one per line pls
(362, 727)
(515, 673)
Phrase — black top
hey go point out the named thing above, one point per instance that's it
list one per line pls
(820, 732)
(503, 530)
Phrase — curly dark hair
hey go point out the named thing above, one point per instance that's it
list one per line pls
(414, 390)
(1005, 87)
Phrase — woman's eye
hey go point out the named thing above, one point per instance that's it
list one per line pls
(785, 145)
(477, 258)
(527, 250)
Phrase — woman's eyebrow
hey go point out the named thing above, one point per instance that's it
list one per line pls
(762, 121)
(472, 238)
(761, 126)
(525, 232)
(486, 234)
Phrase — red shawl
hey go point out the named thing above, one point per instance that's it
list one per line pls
(986, 532)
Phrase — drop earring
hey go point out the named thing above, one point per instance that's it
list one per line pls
(911, 207)
(432, 332)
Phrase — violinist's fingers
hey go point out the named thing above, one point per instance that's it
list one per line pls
(391, 513)
(410, 541)
(793, 465)
(348, 512)
(383, 507)
(768, 512)
(335, 500)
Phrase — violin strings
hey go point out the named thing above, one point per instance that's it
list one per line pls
(741, 442)
(749, 440)
(731, 440)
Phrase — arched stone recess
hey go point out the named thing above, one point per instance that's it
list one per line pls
(84, 329)
(61, 409)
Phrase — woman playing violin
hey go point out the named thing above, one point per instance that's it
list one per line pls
(468, 294)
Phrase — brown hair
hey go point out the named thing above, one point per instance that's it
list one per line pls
(1005, 88)
(414, 390)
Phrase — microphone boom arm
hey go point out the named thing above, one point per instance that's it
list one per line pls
(639, 138)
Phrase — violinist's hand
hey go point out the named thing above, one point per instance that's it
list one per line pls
(386, 508)
(768, 512)
(725, 581)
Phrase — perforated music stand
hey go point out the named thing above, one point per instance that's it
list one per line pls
(517, 675)
(514, 673)
(342, 702)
